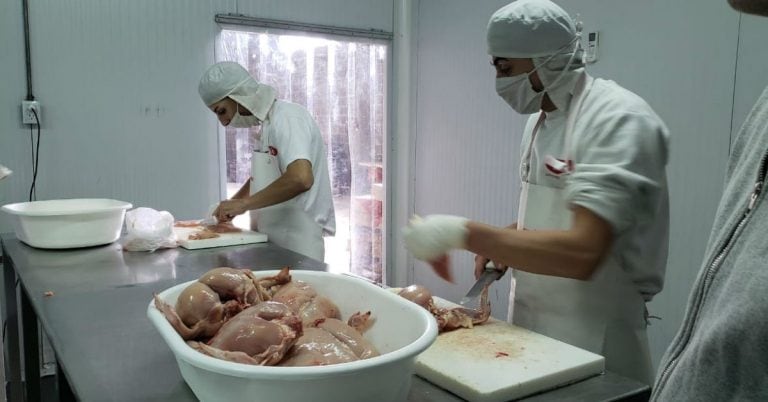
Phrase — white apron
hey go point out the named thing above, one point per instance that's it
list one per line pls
(285, 224)
(606, 314)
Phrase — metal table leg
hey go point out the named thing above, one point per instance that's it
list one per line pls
(31, 349)
(14, 390)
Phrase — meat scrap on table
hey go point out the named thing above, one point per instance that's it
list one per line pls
(207, 231)
(203, 234)
(232, 314)
(187, 224)
(449, 319)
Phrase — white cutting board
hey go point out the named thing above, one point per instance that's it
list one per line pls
(467, 362)
(224, 239)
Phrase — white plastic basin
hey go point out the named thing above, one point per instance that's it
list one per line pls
(401, 331)
(68, 223)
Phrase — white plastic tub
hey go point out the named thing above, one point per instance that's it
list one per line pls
(401, 331)
(68, 223)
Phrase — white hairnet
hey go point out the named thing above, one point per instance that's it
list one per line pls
(229, 79)
(529, 28)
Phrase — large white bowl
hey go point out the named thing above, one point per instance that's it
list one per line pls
(68, 223)
(401, 331)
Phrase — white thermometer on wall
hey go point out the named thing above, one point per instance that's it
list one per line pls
(593, 40)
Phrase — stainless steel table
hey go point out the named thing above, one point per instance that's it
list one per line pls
(106, 348)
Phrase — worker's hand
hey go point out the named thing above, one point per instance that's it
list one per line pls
(434, 235)
(481, 262)
(229, 209)
(442, 267)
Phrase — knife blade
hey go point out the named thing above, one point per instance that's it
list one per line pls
(486, 278)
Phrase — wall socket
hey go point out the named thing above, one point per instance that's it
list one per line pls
(27, 117)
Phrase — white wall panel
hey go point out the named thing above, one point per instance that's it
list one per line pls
(121, 116)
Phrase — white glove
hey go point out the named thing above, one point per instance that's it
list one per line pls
(434, 235)
(4, 172)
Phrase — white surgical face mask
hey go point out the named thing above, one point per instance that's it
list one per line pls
(240, 121)
(517, 90)
(519, 94)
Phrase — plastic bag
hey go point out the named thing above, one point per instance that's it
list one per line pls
(149, 230)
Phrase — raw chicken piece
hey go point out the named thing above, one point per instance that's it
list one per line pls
(330, 342)
(419, 295)
(349, 336)
(317, 347)
(231, 283)
(207, 230)
(267, 285)
(203, 234)
(199, 311)
(449, 319)
(242, 285)
(259, 335)
(306, 303)
(360, 321)
(187, 224)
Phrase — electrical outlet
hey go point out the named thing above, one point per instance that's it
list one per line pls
(27, 117)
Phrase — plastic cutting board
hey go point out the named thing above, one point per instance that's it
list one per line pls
(497, 362)
(224, 239)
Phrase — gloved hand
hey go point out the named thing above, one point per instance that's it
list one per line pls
(433, 236)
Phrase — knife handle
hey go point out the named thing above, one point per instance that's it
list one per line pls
(490, 266)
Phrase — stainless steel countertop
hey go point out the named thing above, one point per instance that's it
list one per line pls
(108, 349)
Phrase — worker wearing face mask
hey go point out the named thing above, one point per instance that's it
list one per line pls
(590, 243)
(289, 193)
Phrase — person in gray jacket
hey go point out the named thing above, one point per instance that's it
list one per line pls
(720, 352)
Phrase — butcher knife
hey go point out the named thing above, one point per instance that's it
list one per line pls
(486, 278)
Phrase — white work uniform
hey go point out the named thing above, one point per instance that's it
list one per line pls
(289, 133)
(612, 162)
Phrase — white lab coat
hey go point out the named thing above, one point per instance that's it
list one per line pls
(618, 151)
(289, 133)
(620, 147)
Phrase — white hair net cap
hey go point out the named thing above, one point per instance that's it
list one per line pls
(529, 28)
(229, 79)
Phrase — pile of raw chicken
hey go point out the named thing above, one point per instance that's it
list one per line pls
(232, 314)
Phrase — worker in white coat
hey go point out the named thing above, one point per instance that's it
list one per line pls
(289, 193)
(590, 243)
